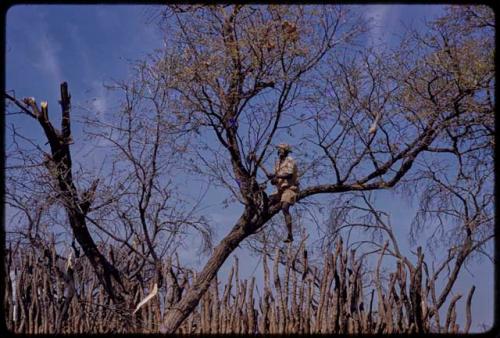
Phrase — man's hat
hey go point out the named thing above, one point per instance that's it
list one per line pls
(285, 147)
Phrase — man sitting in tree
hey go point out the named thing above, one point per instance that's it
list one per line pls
(285, 178)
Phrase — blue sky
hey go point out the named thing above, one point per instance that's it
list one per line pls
(90, 45)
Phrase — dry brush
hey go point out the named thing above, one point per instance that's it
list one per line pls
(49, 293)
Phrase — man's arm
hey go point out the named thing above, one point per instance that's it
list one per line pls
(270, 176)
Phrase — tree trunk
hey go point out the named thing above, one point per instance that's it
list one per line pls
(242, 229)
(59, 165)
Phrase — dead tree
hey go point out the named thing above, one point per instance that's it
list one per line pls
(76, 204)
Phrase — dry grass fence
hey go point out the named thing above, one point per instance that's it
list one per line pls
(46, 294)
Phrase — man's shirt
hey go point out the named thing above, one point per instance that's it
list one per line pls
(285, 167)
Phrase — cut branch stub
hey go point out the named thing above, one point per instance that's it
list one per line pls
(65, 106)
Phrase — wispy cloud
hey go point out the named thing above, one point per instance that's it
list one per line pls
(36, 52)
(46, 49)
(81, 49)
(100, 101)
(377, 16)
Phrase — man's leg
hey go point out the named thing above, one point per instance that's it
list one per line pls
(285, 207)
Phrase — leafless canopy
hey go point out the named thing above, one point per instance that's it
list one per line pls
(230, 83)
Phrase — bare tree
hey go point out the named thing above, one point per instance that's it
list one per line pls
(233, 80)
(141, 194)
(372, 115)
(76, 204)
(133, 206)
